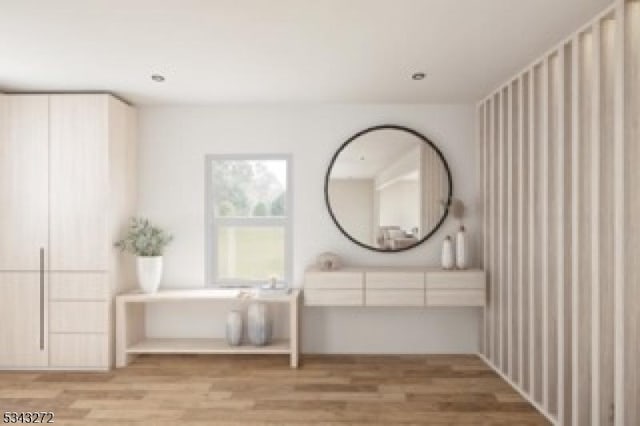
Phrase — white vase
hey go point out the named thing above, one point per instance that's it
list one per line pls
(149, 271)
(462, 261)
(259, 324)
(447, 253)
(234, 328)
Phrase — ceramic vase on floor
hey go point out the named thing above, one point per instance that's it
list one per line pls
(234, 328)
(259, 324)
(149, 272)
(462, 257)
(447, 253)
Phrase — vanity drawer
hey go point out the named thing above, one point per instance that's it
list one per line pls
(455, 297)
(78, 317)
(456, 280)
(333, 297)
(78, 350)
(334, 280)
(78, 286)
(394, 298)
(394, 280)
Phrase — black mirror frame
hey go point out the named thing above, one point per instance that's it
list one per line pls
(425, 140)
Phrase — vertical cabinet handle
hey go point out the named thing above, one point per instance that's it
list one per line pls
(41, 298)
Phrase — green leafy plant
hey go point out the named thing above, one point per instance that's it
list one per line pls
(144, 239)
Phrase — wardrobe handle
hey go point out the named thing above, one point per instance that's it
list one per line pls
(41, 298)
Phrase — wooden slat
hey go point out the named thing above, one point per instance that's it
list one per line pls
(544, 222)
(595, 225)
(514, 264)
(618, 214)
(505, 284)
(494, 225)
(565, 170)
(575, 228)
(559, 255)
(532, 231)
(508, 281)
(631, 214)
(486, 219)
(521, 193)
(490, 224)
(481, 144)
(501, 188)
(586, 279)
(553, 230)
(606, 228)
(539, 235)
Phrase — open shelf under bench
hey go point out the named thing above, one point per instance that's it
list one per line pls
(130, 327)
(204, 346)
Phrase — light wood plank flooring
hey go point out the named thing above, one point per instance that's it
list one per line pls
(243, 390)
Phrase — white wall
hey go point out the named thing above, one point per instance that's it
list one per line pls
(173, 142)
(352, 204)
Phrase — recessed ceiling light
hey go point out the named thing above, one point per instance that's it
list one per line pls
(418, 76)
(157, 78)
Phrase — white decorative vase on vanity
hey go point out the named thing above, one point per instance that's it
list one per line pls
(462, 257)
(447, 254)
(149, 272)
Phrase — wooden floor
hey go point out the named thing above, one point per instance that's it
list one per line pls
(243, 390)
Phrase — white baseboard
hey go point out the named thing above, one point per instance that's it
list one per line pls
(538, 407)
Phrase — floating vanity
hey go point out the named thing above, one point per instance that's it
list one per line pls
(389, 286)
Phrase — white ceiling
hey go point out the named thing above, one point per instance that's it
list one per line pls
(289, 51)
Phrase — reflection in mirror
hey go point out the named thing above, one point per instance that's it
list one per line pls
(388, 188)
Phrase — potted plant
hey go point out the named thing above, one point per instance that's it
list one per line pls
(147, 243)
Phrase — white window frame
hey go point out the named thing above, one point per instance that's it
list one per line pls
(212, 222)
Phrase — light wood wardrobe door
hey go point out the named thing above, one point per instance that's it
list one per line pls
(23, 181)
(22, 324)
(79, 158)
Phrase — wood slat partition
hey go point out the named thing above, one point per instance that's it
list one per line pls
(560, 176)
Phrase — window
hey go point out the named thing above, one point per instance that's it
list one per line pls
(248, 219)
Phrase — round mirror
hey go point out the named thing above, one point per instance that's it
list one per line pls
(388, 188)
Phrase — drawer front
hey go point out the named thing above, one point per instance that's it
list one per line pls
(78, 350)
(79, 286)
(456, 279)
(333, 297)
(394, 298)
(455, 297)
(334, 280)
(394, 280)
(78, 317)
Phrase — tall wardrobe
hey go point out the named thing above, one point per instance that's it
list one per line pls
(67, 189)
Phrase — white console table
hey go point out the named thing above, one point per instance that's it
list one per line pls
(130, 327)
